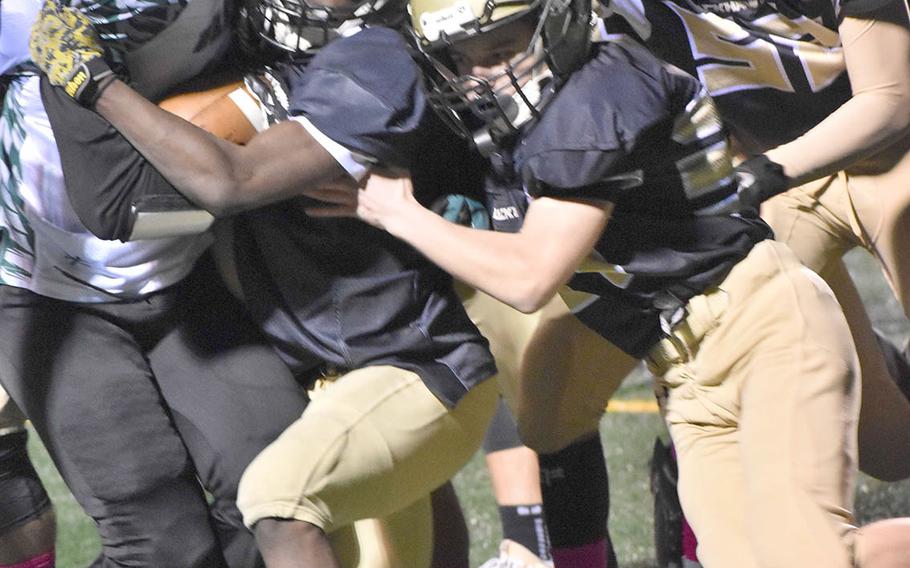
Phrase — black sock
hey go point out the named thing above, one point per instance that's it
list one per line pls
(576, 496)
(525, 525)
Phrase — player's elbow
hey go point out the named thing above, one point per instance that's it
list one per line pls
(531, 295)
(220, 195)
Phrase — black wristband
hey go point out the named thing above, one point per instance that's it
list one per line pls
(89, 81)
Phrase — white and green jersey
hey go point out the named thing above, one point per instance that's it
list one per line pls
(43, 245)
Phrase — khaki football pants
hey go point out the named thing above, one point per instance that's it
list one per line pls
(558, 386)
(372, 444)
(868, 205)
(762, 393)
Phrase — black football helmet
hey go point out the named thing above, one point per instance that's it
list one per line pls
(473, 106)
(302, 27)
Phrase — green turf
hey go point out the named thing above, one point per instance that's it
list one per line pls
(628, 439)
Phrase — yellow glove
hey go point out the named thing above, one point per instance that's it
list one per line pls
(66, 47)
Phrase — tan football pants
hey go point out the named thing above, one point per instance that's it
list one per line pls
(372, 444)
(558, 387)
(868, 205)
(762, 403)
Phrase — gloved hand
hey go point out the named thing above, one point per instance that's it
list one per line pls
(462, 210)
(759, 179)
(65, 46)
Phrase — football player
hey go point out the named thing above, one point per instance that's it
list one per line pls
(239, 189)
(398, 373)
(27, 521)
(818, 95)
(622, 164)
(136, 368)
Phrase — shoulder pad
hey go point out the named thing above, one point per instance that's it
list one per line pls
(364, 92)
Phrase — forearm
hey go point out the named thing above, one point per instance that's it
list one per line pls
(523, 270)
(877, 53)
(495, 263)
(220, 176)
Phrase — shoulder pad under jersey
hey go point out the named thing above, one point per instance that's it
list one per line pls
(595, 120)
(364, 92)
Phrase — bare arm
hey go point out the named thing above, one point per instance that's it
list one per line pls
(877, 53)
(220, 176)
(522, 269)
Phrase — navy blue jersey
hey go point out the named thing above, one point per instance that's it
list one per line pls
(338, 290)
(631, 130)
(774, 67)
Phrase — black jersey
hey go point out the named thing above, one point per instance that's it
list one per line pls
(339, 290)
(774, 67)
(631, 130)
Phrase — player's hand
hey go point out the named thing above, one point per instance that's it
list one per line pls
(383, 200)
(759, 179)
(65, 46)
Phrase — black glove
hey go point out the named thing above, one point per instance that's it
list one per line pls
(759, 179)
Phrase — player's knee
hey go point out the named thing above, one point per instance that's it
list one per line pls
(22, 496)
(165, 540)
(264, 494)
(542, 436)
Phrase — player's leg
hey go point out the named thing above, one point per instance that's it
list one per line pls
(879, 198)
(229, 394)
(387, 542)
(27, 521)
(371, 443)
(515, 479)
(83, 381)
(513, 467)
(884, 411)
(568, 375)
(451, 541)
(820, 222)
(770, 404)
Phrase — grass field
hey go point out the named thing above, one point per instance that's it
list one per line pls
(628, 439)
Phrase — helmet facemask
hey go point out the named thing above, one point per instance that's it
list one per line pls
(489, 109)
(302, 27)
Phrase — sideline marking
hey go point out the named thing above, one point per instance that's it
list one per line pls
(633, 406)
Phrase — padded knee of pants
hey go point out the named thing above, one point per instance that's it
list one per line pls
(186, 544)
(22, 496)
(544, 437)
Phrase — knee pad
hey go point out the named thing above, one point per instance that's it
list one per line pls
(22, 496)
(503, 432)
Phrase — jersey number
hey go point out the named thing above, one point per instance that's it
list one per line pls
(728, 58)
